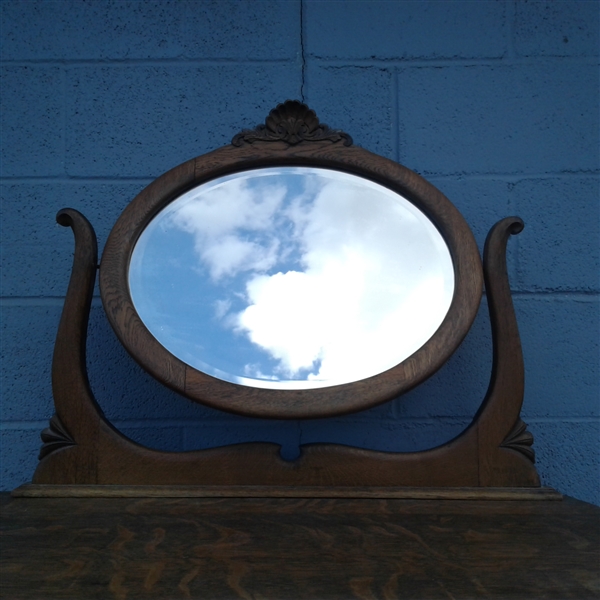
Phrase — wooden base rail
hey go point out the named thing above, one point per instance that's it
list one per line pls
(279, 491)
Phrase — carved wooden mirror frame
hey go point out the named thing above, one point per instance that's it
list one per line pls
(81, 447)
(252, 151)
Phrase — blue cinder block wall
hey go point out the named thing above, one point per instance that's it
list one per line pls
(495, 102)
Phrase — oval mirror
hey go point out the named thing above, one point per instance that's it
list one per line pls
(291, 278)
(291, 275)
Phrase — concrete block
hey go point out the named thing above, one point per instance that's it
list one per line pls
(32, 121)
(154, 435)
(400, 436)
(28, 334)
(246, 30)
(557, 28)
(19, 450)
(499, 119)
(482, 202)
(30, 270)
(37, 252)
(143, 120)
(382, 412)
(127, 30)
(561, 349)
(404, 30)
(357, 100)
(568, 457)
(560, 248)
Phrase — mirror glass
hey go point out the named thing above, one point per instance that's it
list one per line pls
(291, 278)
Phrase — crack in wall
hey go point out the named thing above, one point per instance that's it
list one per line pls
(302, 54)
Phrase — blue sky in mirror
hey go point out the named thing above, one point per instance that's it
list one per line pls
(291, 277)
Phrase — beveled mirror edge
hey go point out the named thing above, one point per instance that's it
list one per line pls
(290, 404)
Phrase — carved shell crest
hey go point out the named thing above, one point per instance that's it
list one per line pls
(291, 122)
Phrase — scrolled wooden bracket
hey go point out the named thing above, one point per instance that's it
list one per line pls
(77, 418)
(498, 420)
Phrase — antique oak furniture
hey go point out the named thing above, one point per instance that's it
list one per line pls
(288, 215)
(341, 279)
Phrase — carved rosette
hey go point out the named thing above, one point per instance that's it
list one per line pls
(291, 122)
(521, 440)
(54, 438)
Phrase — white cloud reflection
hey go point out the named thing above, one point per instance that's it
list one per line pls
(216, 216)
(330, 278)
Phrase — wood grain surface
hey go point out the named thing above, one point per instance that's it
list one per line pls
(32, 490)
(126, 548)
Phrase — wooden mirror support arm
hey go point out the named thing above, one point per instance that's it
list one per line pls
(81, 447)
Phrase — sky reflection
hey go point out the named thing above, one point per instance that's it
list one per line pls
(291, 278)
